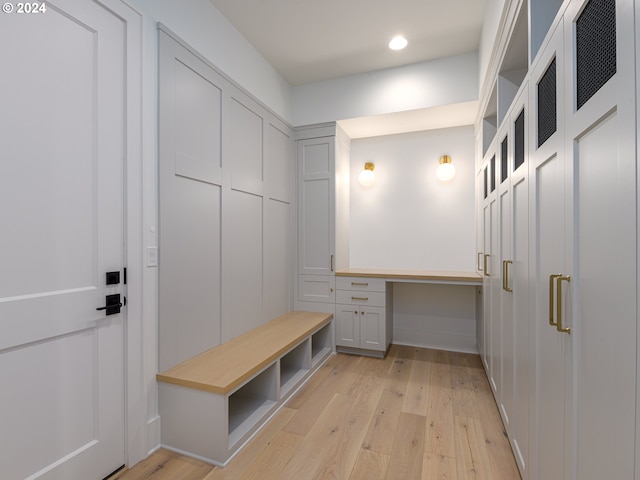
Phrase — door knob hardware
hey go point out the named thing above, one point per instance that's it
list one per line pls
(112, 304)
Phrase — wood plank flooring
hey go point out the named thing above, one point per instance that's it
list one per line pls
(418, 414)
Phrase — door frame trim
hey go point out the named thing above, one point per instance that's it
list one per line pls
(135, 401)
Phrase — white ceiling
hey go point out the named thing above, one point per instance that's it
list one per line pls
(309, 41)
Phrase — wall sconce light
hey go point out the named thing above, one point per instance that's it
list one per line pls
(446, 171)
(367, 177)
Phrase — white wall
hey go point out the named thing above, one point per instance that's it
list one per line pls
(205, 29)
(444, 81)
(408, 219)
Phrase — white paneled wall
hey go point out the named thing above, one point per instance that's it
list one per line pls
(226, 226)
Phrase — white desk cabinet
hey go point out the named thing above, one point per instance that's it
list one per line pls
(363, 315)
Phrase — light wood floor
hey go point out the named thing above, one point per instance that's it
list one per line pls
(417, 415)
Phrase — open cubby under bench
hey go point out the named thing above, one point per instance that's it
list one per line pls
(213, 403)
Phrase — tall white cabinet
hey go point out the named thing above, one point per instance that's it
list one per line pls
(504, 265)
(323, 213)
(560, 318)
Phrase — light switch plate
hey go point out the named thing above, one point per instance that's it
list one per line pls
(152, 256)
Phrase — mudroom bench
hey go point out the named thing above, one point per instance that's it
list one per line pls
(213, 403)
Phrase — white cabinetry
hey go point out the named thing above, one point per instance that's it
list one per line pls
(363, 316)
(490, 283)
(584, 263)
(553, 350)
(514, 293)
(323, 213)
(504, 266)
(511, 290)
(560, 325)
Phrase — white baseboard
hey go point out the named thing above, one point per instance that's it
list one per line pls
(153, 434)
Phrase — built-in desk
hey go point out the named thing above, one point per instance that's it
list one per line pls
(364, 319)
(414, 276)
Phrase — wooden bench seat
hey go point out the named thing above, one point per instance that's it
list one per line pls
(212, 404)
(222, 368)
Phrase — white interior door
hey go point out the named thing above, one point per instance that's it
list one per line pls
(61, 216)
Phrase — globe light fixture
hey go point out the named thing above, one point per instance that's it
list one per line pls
(367, 177)
(446, 171)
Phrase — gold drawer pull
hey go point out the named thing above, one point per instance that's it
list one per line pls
(359, 284)
(364, 299)
(486, 270)
(559, 304)
(505, 275)
(552, 277)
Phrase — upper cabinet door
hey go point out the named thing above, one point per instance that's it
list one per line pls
(316, 206)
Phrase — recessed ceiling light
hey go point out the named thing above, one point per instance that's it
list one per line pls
(398, 43)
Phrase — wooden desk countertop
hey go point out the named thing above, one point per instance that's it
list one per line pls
(425, 276)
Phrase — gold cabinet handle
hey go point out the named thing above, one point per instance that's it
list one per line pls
(559, 281)
(364, 299)
(479, 262)
(331, 262)
(551, 279)
(486, 270)
(505, 275)
(359, 284)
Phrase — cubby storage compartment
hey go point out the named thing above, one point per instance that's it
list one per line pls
(213, 403)
(490, 121)
(293, 366)
(251, 402)
(542, 16)
(515, 64)
(321, 344)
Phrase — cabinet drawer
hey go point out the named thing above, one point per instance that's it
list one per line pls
(355, 297)
(360, 283)
(316, 288)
